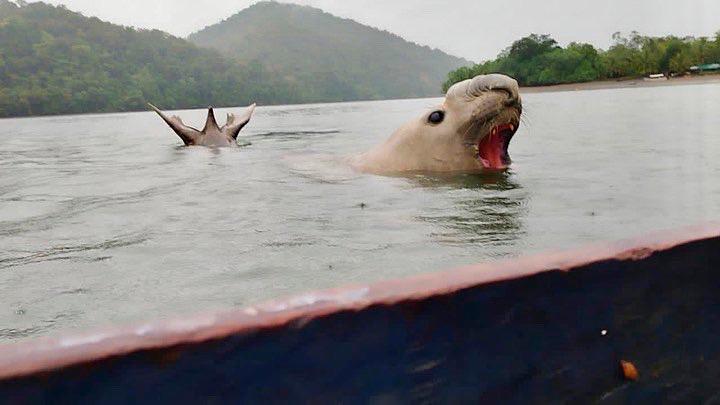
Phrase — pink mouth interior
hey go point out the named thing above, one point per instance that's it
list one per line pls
(493, 148)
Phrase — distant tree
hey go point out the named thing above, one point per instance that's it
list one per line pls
(530, 47)
(713, 50)
(681, 62)
(672, 48)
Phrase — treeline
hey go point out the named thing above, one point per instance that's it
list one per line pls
(538, 60)
(55, 61)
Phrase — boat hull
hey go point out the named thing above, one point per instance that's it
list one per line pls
(548, 328)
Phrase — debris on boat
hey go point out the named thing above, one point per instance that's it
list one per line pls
(629, 370)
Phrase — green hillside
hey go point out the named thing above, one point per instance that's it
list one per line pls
(56, 61)
(326, 57)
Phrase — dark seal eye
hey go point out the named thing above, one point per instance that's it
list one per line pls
(436, 117)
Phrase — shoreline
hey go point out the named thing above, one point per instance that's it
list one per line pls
(596, 85)
(624, 84)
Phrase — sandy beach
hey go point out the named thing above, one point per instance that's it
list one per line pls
(621, 84)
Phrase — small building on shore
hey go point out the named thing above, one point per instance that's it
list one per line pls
(708, 67)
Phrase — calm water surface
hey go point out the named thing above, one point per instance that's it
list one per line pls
(105, 219)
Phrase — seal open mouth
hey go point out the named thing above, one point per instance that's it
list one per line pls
(493, 148)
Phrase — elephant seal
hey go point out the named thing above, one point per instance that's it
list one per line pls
(212, 134)
(469, 132)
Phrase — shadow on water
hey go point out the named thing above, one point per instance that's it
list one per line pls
(214, 150)
(473, 181)
(487, 208)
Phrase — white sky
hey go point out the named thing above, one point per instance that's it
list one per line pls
(474, 29)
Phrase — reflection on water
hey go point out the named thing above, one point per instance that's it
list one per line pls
(491, 214)
(106, 219)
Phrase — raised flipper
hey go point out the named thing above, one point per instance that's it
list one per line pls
(188, 134)
(235, 124)
(211, 124)
(212, 134)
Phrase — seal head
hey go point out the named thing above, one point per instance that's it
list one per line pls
(470, 132)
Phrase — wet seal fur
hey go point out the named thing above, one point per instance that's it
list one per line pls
(469, 132)
(212, 134)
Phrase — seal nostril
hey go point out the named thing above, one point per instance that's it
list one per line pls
(513, 102)
(512, 98)
(508, 92)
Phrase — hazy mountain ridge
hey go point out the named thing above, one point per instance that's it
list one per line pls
(320, 52)
(54, 61)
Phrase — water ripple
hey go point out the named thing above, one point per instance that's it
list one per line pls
(291, 135)
(43, 327)
(61, 252)
(76, 206)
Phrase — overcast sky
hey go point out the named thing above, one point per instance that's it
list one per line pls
(474, 29)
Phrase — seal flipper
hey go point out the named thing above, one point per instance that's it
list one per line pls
(211, 124)
(235, 124)
(189, 135)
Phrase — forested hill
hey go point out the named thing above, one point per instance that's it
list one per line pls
(329, 58)
(55, 61)
(538, 60)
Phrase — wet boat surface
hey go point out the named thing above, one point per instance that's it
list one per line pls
(546, 328)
